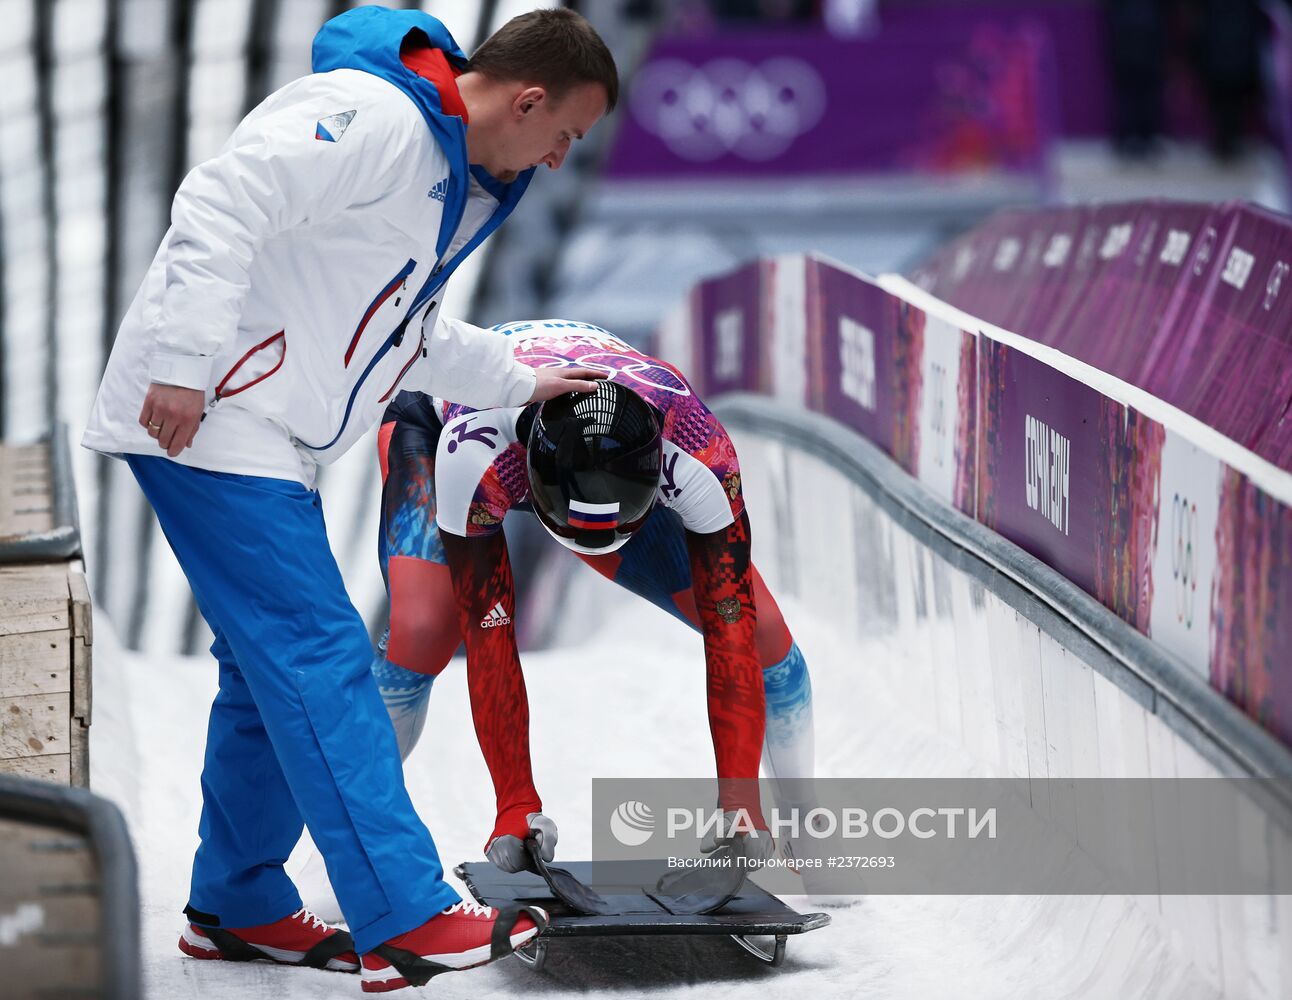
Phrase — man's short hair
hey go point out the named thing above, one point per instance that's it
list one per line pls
(557, 49)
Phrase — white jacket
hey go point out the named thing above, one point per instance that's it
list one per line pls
(299, 285)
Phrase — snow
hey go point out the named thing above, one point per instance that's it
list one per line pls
(604, 707)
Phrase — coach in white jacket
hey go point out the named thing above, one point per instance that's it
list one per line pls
(296, 291)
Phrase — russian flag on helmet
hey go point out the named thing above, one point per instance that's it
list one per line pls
(593, 516)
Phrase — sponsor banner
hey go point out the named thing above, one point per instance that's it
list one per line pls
(1182, 575)
(1104, 232)
(940, 438)
(675, 337)
(852, 337)
(778, 103)
(728, 314)
(1136, 291)
(1168, 350)
(785, 349)
(1252, 630)
(1113, 239)
(1162, 533)
(1188, 302)
(1043, 476)
(1235, 367)
(1130, 447)
(921, 835)
(1004, 256)
(1049, 241)
(966, 274)
(967, 436)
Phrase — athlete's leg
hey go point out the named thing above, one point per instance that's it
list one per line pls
(788, 744)
(423, 632)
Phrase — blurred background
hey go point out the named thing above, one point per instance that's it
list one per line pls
(869, 130)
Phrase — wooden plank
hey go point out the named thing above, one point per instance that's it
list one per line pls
(63, 957)
(34, 599)
(50, 896)
(33, 725)
(54, 971)
(26, 490)
(82, 643)
(55, 767)
(41, 862)
(47, 580)
(7, 476)
(35, 663)
(79, 757)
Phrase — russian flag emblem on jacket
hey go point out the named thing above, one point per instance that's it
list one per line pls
(331, 128)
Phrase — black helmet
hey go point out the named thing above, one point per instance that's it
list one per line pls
(594, 463)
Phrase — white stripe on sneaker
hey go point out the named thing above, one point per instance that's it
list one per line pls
(198, 940)
(386, 975)
(480, 955)
(456, 960)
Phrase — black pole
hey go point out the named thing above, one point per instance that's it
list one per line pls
(114, 171)
(259, 52)
(192, 624)
(182, 45)
(181, 35)
(43, 22)
(488, 10)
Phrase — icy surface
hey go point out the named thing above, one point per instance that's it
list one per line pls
(616, 703)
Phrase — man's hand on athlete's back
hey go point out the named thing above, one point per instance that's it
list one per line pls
(171, 414)
(552, 382)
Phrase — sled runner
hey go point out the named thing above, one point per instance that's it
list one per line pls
(578, 910)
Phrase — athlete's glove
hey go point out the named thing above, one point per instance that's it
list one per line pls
(756, 844)
(508, 852)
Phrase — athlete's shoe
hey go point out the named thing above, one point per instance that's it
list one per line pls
(461, 937)
(301, 939)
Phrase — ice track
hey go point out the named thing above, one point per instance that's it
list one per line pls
(638, 709)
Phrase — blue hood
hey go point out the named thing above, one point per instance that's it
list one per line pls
(369, 39)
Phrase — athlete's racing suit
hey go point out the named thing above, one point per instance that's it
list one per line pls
(452, 473)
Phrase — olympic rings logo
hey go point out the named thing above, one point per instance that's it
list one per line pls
(645, 373)
(728, 106)
(1184, 572)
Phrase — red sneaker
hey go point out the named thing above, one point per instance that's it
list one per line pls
(301, 939)
(461, 937)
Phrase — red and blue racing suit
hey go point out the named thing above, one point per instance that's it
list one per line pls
(451, 474)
